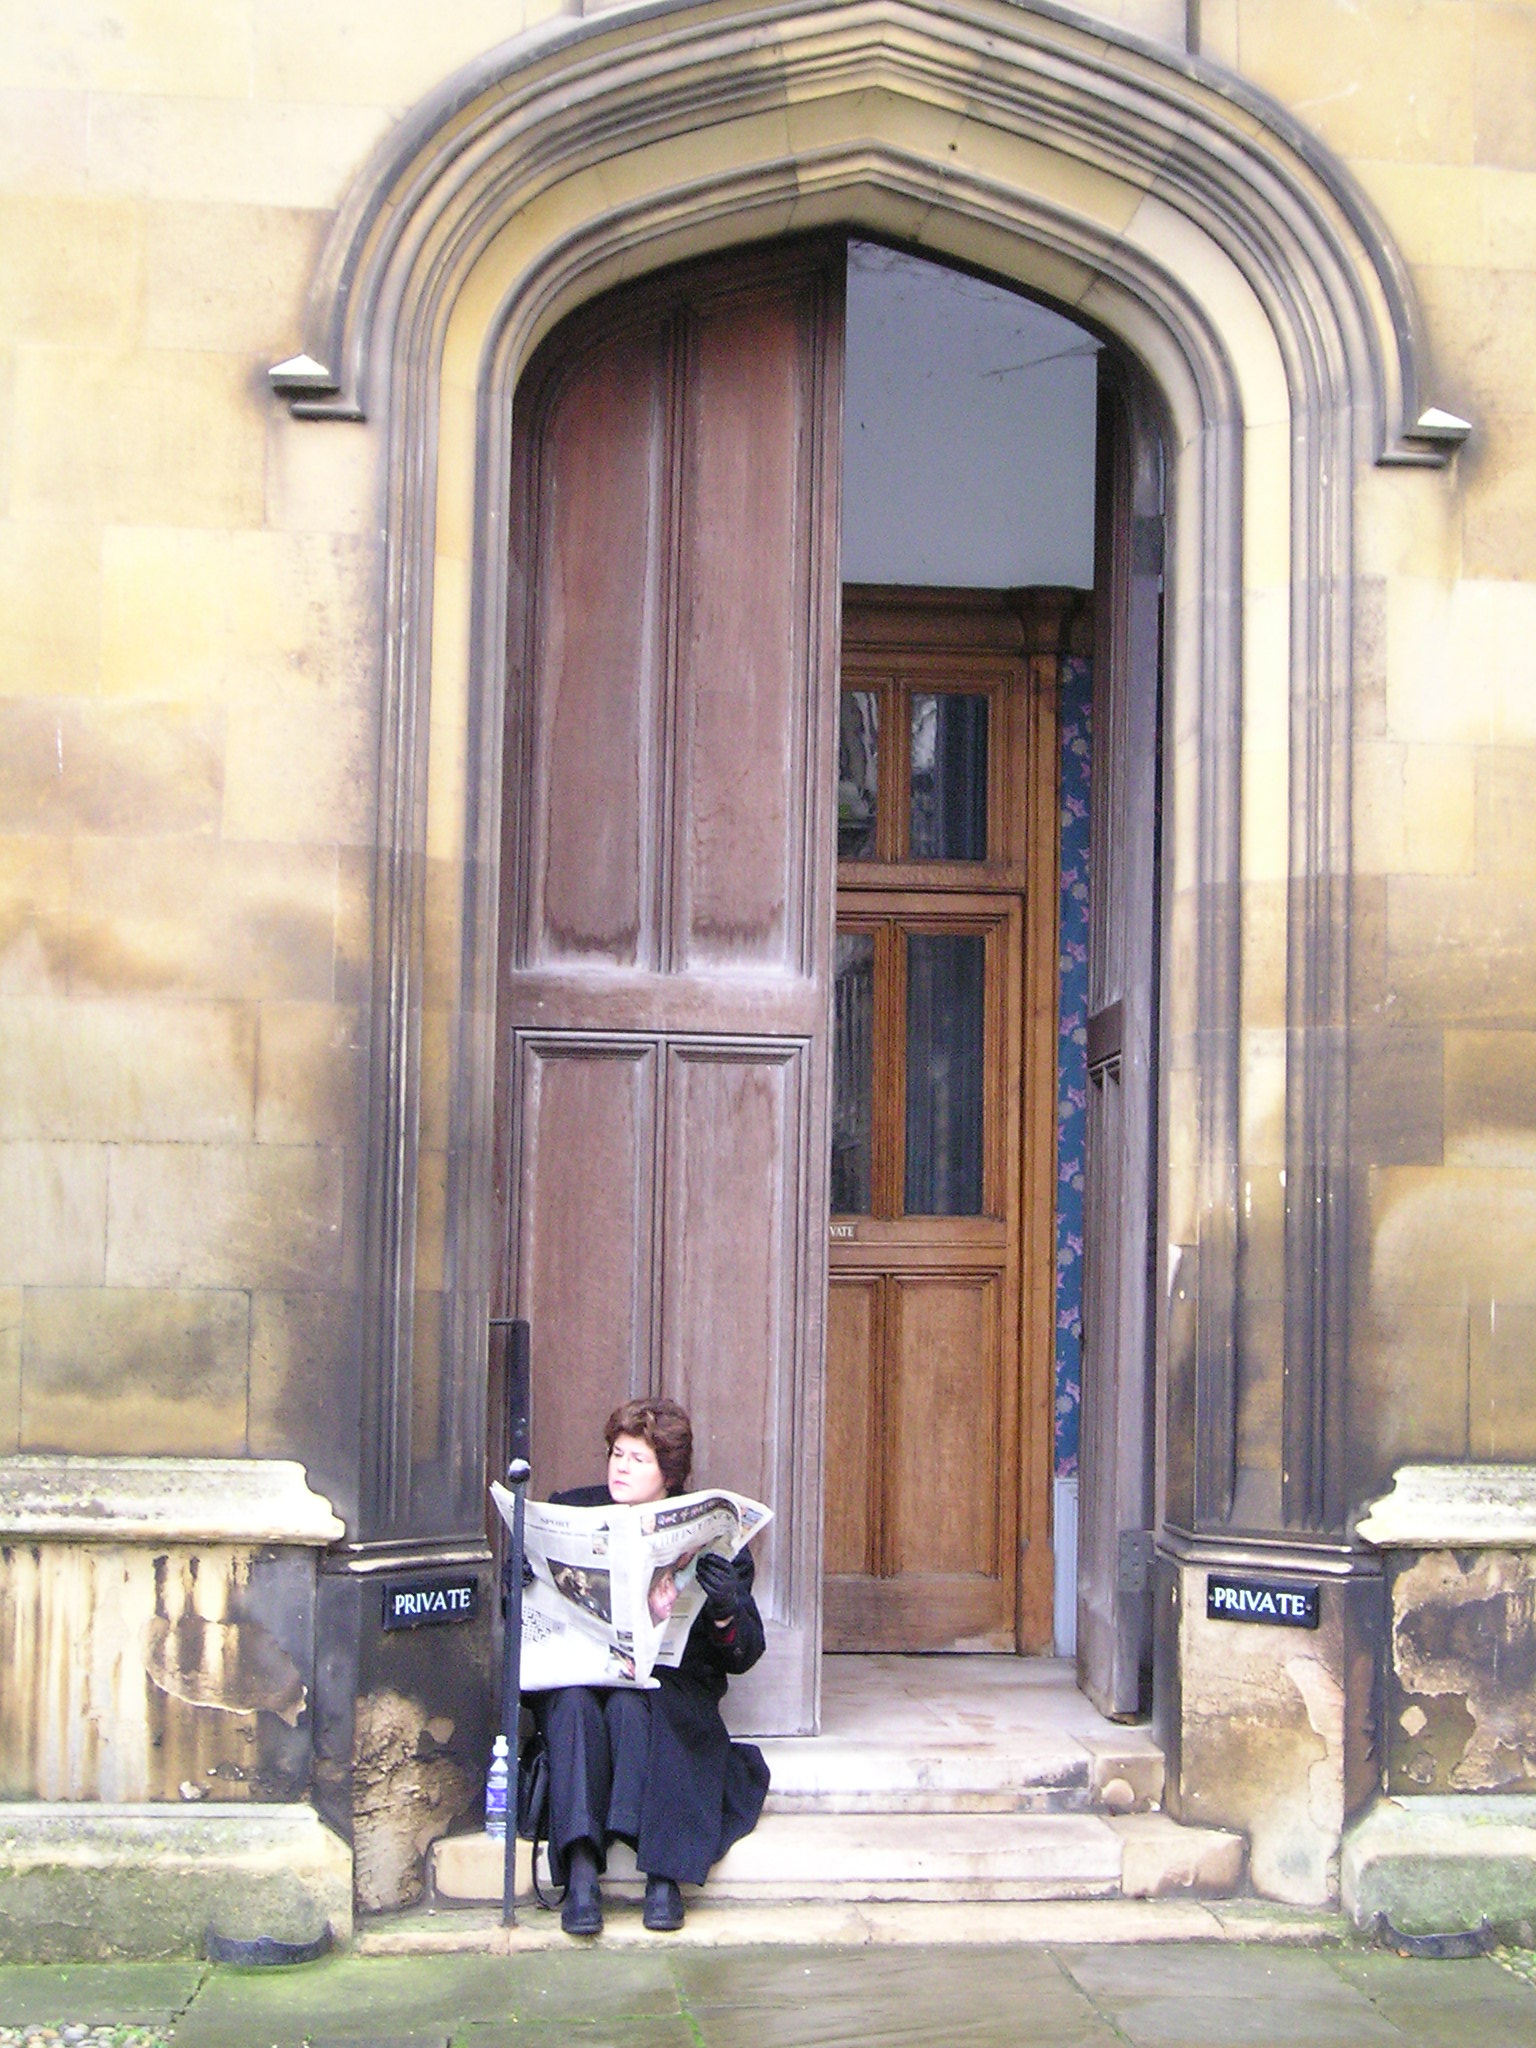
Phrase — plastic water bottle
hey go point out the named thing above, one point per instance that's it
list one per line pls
(496, 1791)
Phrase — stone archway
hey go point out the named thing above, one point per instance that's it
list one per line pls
(1165, 202)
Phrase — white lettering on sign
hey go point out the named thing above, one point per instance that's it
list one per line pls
(446, 1600)
(1290, 1606)
(414, 1602)
(842, 1230)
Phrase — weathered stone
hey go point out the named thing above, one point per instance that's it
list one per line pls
(157, 1628)
(1439, 1865)
(94, 1881)
(1160, 1859)
(408, 1789)
(1269, 1729)
(1454, 1507)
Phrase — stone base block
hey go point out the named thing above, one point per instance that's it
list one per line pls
(1161, 1860)
(1443, 1864)
(88, 1882)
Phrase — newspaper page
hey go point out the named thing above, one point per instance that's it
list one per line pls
(610, 1592)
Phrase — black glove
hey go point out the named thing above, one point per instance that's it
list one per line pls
(722, 1588)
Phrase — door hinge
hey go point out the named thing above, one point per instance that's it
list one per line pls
(1135, 1569)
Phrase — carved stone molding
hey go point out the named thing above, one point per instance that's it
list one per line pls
(1158, 198)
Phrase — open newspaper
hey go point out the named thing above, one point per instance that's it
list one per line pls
(613, 1590)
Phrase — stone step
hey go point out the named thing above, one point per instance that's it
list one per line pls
(905, 1856)
(1120, 1771)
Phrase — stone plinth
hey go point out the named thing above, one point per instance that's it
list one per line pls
(88, 1881)
(1269, 1730)
(157, 1628)
(1441, 1865)
(1460, 1548)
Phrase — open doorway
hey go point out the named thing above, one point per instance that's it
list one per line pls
(669, 1013)
(954, 1309)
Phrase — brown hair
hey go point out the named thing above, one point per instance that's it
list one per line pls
(666, 1428)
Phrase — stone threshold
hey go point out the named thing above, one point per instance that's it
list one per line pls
(427, 1931)
(976, 1858)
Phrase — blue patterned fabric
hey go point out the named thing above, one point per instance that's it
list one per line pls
(1072, 1056)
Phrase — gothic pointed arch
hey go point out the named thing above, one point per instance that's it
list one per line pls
(1163, 201)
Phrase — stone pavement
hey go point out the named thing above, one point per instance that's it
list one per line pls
(1107, 1995)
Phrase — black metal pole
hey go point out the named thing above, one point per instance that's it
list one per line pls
(511, 1689)
(518, 1473)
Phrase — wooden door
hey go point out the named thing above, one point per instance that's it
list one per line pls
(929, 1409)
(668, 872)
(1120, 1197)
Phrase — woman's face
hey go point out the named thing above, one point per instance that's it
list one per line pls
(633, 1473)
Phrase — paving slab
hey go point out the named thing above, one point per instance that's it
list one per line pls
(95, 1994)
(674, 2031)
(1474, 1999)
(778, 2000)
(928, 1978)
(1205, 1997)
(355, 2000)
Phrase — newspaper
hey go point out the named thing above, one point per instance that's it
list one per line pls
(611, 1592)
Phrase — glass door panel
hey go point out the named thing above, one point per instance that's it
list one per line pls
(945, 1073)
(858, 775)
(916, 1049)
(949, 776)
(853, 1073)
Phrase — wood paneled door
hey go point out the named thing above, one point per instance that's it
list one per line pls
(664, 999)
(943, 1121)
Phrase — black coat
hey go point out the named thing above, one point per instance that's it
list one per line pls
(702, 1791)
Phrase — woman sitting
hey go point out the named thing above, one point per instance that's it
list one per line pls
(655, 1769)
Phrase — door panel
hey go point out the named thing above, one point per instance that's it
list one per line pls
(855, 1314)
(945, 1410)
(587, 1115)
(597, 656)
(732, 1170)
(743, 624)
(668, 875)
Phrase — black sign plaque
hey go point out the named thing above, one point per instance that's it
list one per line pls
(1283, 1603)
(429, 1603)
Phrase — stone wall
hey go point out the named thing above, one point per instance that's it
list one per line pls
(1433, 107)
(189, 651)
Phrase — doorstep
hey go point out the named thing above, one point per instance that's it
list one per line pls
(938, 1781)
(921, 1858)
(713, 1923)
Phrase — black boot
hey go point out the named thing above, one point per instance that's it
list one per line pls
(582, 1912)
(663, 1906)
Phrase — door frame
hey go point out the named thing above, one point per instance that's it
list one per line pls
(1165, 201)
(1036, 629)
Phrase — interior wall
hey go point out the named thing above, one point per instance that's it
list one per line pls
(968, 431)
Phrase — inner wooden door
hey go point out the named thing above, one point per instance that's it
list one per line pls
(937, 1449)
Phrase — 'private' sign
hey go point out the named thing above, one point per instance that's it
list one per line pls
(1278, 1601)
(418, 1603)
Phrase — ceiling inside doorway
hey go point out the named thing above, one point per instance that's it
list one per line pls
(968, 431)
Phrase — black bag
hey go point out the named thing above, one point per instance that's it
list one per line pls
(533, 1803)
(533, 1788)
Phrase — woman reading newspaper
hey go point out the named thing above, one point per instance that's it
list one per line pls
(655, 1767)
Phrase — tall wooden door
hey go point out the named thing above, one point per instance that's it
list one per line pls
(1120, 1234)
(946, 865)
(668, 871)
